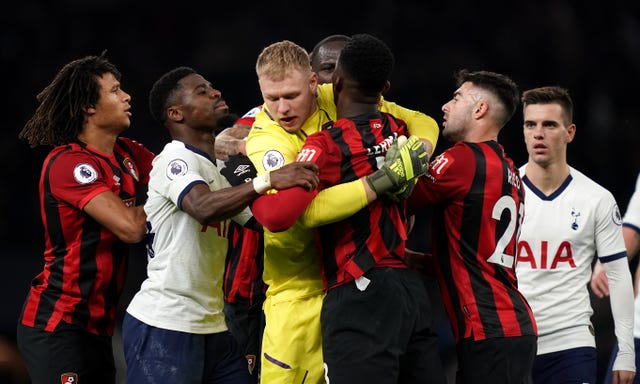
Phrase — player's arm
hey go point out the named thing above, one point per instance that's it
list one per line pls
(599, 281)
(208, 206)
(621, 291)
(343, 200)
(127, 223)
(418, 123)
(631, 235)
(338, 202)
(231, 141)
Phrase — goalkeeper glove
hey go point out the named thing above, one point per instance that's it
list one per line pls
(402, 164)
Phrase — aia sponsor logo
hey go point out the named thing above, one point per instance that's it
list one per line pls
(543, 257)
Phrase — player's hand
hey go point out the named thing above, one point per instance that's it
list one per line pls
(401, 166)
(599, 281)
(238, 169)
(297, 174)
(622, 377)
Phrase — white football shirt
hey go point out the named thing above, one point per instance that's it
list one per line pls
(183, 290)
(632, 220)
(560, 236)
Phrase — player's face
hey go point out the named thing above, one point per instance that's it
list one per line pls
(201, 104)
(458, 113)
(546, 134)
(292, 99)
(112, 111)
(325, 62)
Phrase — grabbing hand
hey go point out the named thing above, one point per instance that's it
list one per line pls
(297, 174)
(404, 162)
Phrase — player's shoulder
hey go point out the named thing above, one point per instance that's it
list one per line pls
(173, 150)
(325, 100)
(265, 124)
(71, 153)
(587, 185)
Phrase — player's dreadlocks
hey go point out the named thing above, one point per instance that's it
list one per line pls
(59, 117)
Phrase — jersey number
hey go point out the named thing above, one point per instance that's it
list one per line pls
(505, 203)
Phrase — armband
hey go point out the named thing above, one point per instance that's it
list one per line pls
(262, 183)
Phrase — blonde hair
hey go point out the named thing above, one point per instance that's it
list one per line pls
(274, 60)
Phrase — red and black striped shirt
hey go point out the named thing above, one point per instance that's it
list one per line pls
(84, 263)
(244, 265)
(478, 205)
(375, 236)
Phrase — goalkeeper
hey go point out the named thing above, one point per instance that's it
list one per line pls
(375, 318)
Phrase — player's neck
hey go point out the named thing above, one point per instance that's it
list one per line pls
(547, 178)
(99, 140)
(203, 140)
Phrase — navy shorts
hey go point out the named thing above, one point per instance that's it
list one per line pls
(576, 365)
(496, 360)
(156, 355)
(68, 354)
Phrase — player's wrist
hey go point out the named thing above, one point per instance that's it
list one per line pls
(380, 181)
(262, 183)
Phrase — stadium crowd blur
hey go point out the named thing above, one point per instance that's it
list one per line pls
(594, 51)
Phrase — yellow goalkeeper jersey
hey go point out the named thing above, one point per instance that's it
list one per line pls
(291, 260)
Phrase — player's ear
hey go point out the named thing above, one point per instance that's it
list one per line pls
(174, 113)
(313, 82)
(338, 83)
(571, 132)
(386, 87)
(89, 109)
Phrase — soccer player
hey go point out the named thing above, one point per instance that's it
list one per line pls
(324, 56)
(92, 187)
(569, 219)
(296, 107)
(599, 283)
(376, 317)
(477, 201)
(323, 60)
(174, 329)
(243, 285)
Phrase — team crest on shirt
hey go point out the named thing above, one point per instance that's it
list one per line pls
(85, 173)
(252, 112)
(272, 159)
(375, 124)
(69, 378)
(575, 214)
(251, 363)
(617, 218)
(129, 166)
(176, 168)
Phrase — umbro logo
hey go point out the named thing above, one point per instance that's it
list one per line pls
(241, 169)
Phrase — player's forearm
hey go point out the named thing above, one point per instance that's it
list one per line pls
(621, 294)
(337, 203)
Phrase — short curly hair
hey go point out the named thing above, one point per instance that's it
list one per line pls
(368, 61)
(163, 89)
